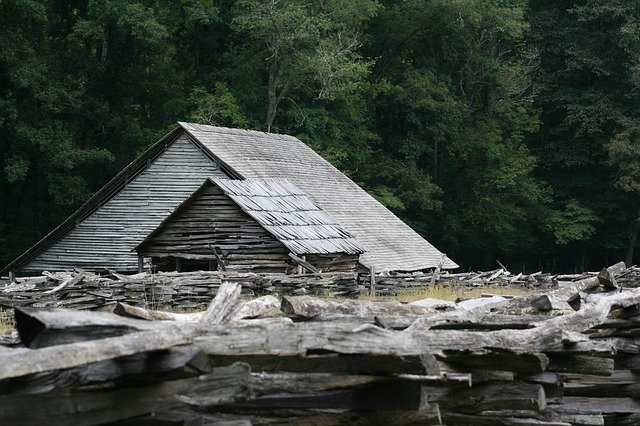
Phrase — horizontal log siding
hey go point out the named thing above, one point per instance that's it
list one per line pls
(212, 220)
(334, 262)
(107, 237)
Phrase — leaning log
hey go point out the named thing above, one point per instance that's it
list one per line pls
(224, 306)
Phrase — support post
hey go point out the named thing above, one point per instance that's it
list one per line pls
(372, 281)
(12, 276)
(140, 264)
(178, 264)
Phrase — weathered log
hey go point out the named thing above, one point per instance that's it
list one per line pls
(126, 310)
(255, 307)
(249, 309)
(96, 406)
(40, 327)
(390, 395)
(608, 280)
(335, 363)
(582, 405)
(580, 364)
(68, 283)
(561, 298)
(20, 362)
(144, 367)
(309, 307)
(224, 306)
(514, 396)
(488, 360)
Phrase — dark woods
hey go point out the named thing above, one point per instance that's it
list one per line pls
(499, 129)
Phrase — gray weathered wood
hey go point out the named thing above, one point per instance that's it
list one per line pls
(309, 307)
(224, 306)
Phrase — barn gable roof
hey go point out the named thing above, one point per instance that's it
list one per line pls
(288, 214)
(284, 211)
(243, 154)
(388, 241)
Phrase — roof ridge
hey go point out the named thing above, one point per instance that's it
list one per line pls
(233, 131)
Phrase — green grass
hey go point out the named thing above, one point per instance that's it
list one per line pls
(452, 292)
(7, 325)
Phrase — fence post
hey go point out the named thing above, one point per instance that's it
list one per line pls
(372, 278)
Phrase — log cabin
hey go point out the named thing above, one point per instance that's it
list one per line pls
(103, 233)
(256, 225)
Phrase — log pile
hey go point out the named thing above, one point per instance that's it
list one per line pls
(189, 290)
(398, 283)
(570, 356)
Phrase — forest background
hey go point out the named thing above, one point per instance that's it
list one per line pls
(498, 129)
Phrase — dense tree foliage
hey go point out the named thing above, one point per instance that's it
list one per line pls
(499, 129)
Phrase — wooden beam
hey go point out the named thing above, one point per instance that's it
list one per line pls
(304, 264)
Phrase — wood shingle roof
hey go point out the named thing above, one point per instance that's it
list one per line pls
(389, 243)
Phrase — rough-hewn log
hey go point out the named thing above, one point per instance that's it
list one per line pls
(309, 307)
(334, 363)
(255, 307)
(581, 364)
(224, 306)
(40, 327)
(20, 362)
(68, 283)
(126, 310)
(96, 406)
(145, 367)
(561, 298)
(250, 309)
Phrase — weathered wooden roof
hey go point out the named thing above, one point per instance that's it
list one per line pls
(389, 242)
(103, 232)
(287, 213)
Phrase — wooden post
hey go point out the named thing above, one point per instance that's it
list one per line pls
(140, 264)
(178, 264)
(12, 276)
(372, 278)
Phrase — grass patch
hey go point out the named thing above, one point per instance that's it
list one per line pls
(453, 292)
(7, 324)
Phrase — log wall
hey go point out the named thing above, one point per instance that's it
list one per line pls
(107, 237)
(213, 221)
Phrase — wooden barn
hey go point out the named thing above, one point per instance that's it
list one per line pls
(257, 225)
(103, 233)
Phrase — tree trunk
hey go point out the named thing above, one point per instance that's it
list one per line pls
(271, 90)
(633, 239)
